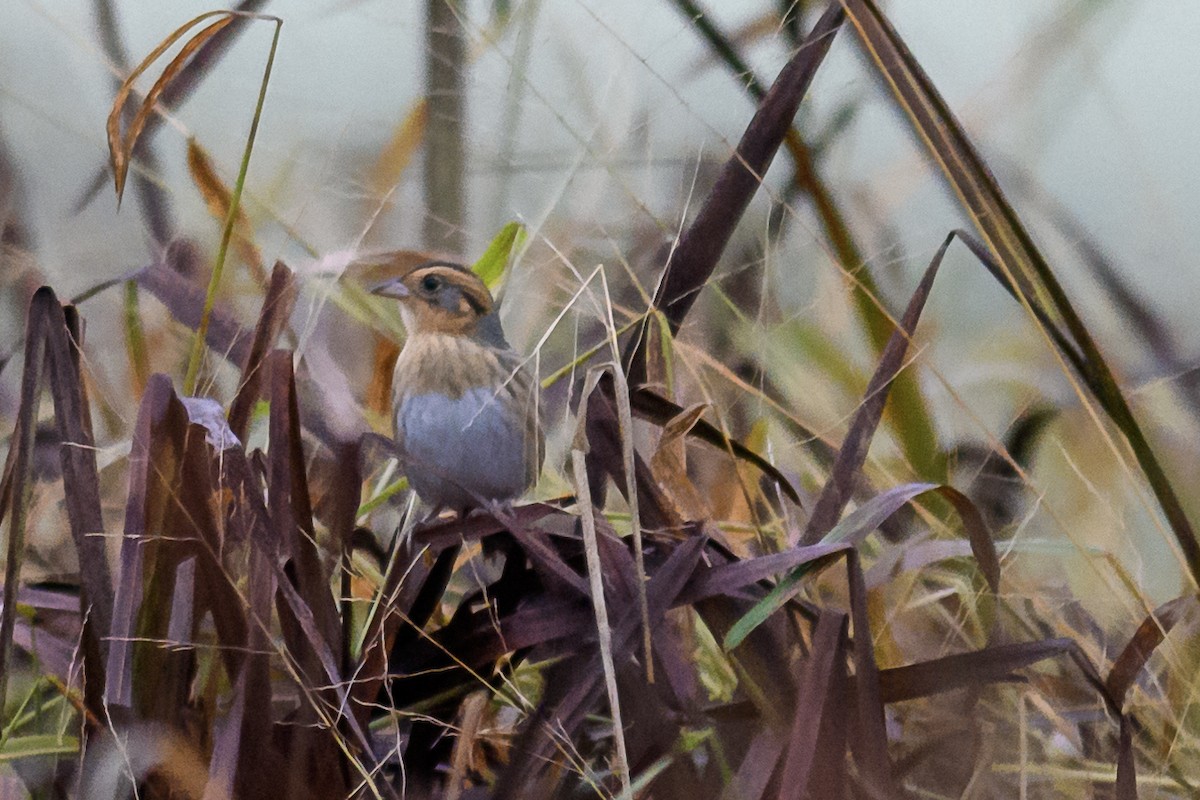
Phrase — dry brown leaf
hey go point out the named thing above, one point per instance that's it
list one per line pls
(730, 484)
(464, 758)
(217, 199)
(120, 149)
(399, 152)
(669, 465)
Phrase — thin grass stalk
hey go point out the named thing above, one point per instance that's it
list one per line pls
(445, 153)
(692, 258)
(853, 452)
(625, 422)
(596, 581)
(197, 356)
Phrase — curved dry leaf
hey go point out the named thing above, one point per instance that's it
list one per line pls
(217, 199)
(120, 149)
(655, 408)
(1149, 635)
(398, 154)
(669, 465)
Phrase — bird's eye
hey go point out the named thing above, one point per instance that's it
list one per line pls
(431, 283)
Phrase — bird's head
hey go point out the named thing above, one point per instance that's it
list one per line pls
(441, 297)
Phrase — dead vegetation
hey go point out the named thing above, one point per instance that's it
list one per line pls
(689, 620)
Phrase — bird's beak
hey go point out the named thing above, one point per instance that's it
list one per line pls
(393, 288)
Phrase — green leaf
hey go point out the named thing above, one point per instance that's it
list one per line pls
(788, 585)
(666, 341)
(388, 492)
(490, 266)
(46, 744)
(853, 529)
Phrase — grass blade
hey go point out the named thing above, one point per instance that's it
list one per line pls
(218, 200)
(853, 452)
(814, 702)
(52, 344)
(81, 488)
(870, 746)
(976, 668)
(758, 764)
(1149, 635)
(729, 579)
(158, 447)
(291, 507)
(20, 457)
(120, 148)
(490, 266)
(693, 260)
(787, 587)
(599, 606)
(189, 381)
(276, 309)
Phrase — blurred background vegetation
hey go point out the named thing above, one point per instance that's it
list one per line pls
(601, 127)
(596, 125)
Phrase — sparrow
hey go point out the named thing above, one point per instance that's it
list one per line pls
(466, 404)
